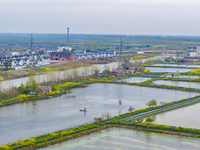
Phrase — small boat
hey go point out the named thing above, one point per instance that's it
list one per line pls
(83, 109)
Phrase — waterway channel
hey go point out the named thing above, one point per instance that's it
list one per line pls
(21, 121)
(127, 139)
(178, 83)
(55, 76)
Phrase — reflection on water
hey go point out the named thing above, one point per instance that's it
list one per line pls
(127, 139)
(21, 121)
(178, 83)
(185, 117)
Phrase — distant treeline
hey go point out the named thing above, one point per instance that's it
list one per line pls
(87, 40)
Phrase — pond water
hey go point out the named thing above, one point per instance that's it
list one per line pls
(127, 139)
(21, 121)
(157, 69)
(185, 117)
(176, 65)
(183, 76)
(178, 83)
(134, 79)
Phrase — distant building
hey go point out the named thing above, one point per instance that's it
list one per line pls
(193, 51)
(62, 56)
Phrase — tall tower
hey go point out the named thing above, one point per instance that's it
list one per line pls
(67, 36)
(31, 42)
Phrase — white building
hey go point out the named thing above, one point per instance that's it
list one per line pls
(62, 48)
(42, 63)
(17, 53)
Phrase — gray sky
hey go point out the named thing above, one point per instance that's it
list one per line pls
(146, 17)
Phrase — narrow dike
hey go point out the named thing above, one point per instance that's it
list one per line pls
(162, 109)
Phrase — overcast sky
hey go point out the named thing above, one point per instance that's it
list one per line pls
(141, 17)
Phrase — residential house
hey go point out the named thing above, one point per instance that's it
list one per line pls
(62, 56)
(137, 68)
(18, 53)
(18, 67)
(44, 89)
(117, 72)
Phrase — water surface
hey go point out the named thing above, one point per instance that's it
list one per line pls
(176, 65)
(21, 121)
(157, 69)
(127, 139)
(134, 79)
(185, 117)
(179, 83)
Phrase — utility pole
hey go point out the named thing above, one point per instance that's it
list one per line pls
(67, 36)
(121, 57)
(31, 42)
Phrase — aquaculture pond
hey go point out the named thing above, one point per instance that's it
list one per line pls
(157, 69)
(134, 79)
(178, 83)
(176, 65)
(185, 117)
(127, 139)
(21, 121)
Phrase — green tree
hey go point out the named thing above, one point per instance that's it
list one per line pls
(94, 45)
(6, 64)
(152, 102)
(32, 84)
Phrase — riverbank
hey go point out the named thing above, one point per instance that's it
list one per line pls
(69, 85)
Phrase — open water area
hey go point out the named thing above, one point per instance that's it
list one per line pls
(158, 69)
(134, 79)
(127, 139)
(176, 65)
(21, 121)
(183, 76)
(178, 83)
(184, 117)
